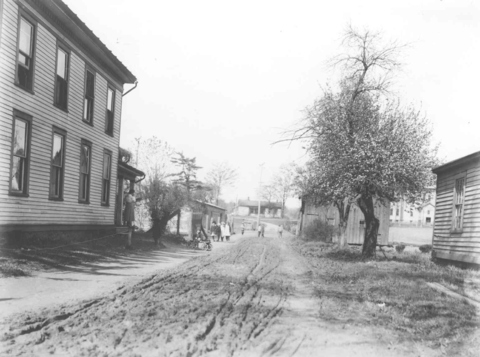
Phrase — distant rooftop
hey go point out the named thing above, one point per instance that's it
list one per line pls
(249, 203)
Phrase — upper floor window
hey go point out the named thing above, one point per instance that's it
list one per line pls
(85, 163)
(458, 200)
(20, 154)
(107, 167)
(26, 35)
(61, 82)
(110, 111)
(57, 164)
(89, 96)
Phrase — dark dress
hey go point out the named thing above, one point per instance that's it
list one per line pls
(129, 209)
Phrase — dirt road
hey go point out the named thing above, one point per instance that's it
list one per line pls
(255, 299)
(70, 284)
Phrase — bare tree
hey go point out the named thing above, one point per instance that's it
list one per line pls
(284, 183)
(220, 176)
(269, 193)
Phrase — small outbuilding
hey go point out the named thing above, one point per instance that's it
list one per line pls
(456, 231)
(196, 215)
(355, 231)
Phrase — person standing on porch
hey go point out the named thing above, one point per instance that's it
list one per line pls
(130, 215)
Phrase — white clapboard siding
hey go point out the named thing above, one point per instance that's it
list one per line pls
(465, 245)
(37, 208)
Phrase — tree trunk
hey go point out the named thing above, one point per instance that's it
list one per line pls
(342, 227)
(179, 217)
(158, 229)
(343, 210)
(371, 226)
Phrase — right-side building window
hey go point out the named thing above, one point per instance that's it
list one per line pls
(458, 200)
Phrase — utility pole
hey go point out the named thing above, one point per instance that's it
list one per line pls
(259, 194)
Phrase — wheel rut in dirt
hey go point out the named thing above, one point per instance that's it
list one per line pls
(250, 299)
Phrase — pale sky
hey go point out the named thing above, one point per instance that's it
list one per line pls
(220, 80)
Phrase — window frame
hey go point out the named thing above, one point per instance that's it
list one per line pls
(28, 141)
(91, 70)
(112, 88)
(456, 178)
(63, 133)
(87, 143)
(34, 23)
(106, 202)
(66, 49)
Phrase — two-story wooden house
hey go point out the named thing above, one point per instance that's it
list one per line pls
(60, 106)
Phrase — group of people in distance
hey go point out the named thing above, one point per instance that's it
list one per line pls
(261, 230)
(220, 231)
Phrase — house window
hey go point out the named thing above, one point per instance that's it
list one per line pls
(85, 163)
(391, 211)
(26, 35)
(411, 213)
(110, 111)
(89, 96)
(61, 82)
(428, 212)
(57, 164)
(107, 167)
(20, 154)
(398, 212)
(428, 220)
(458, 199)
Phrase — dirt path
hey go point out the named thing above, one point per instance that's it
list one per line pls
(255, 299)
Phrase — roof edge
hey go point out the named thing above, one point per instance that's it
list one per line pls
(454, 163)
(54, 8)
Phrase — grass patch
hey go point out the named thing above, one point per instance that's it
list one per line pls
(391, 292)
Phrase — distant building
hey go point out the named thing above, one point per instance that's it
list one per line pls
(250, 208)
(456, 233)
(60, 112)
(199, 214)
(422, 215)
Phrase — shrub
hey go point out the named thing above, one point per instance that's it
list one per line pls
(318, 230)
(400, 248)
(290, 226)
(426, 248)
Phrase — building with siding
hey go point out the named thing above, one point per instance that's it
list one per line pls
(197, 215)
(60, 115)
(250, 208)
(415, 215)
(456, 231)
(355, 231)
